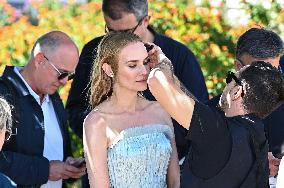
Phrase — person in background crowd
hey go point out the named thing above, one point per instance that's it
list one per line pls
(227, 149)
(34, 157)
(260, 44)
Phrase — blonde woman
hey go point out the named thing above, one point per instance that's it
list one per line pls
(128, 140)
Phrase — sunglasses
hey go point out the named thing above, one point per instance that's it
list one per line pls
(62, 74)
(231, 76)
(131, 30)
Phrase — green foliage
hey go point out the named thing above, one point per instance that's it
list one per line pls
(204, 29)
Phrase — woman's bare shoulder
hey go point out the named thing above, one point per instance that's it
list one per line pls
(95, 121)
(95, 132)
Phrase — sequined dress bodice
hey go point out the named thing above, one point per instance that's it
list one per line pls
(139, 157)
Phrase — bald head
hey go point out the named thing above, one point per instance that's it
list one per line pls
(51, 41)
(53, 60)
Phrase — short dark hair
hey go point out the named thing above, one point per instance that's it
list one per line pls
(264, 87)
(116, 8)
(260, 43)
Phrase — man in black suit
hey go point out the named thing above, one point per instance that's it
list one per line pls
(38, 153)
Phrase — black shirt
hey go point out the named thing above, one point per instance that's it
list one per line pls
(211, 140)
(273, 125)
(185, 66)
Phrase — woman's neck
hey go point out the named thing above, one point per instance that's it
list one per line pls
(128, 104)
(125, 101)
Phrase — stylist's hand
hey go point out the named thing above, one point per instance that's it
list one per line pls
(159, 62)
(155, 54)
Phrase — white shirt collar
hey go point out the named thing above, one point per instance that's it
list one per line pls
(31, 91)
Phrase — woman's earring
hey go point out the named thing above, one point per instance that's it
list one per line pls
(111, 75)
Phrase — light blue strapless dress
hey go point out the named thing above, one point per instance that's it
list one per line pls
(139, 157)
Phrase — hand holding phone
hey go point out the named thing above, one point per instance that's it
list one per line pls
(79, 162)
(76, 162)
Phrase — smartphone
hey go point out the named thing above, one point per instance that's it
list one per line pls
(79, 162)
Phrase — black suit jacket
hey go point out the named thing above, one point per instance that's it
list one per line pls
(22, 156)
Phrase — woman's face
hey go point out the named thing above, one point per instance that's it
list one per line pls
(133, 68)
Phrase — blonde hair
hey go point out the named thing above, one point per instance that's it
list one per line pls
(5, 115)
(108, 52)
